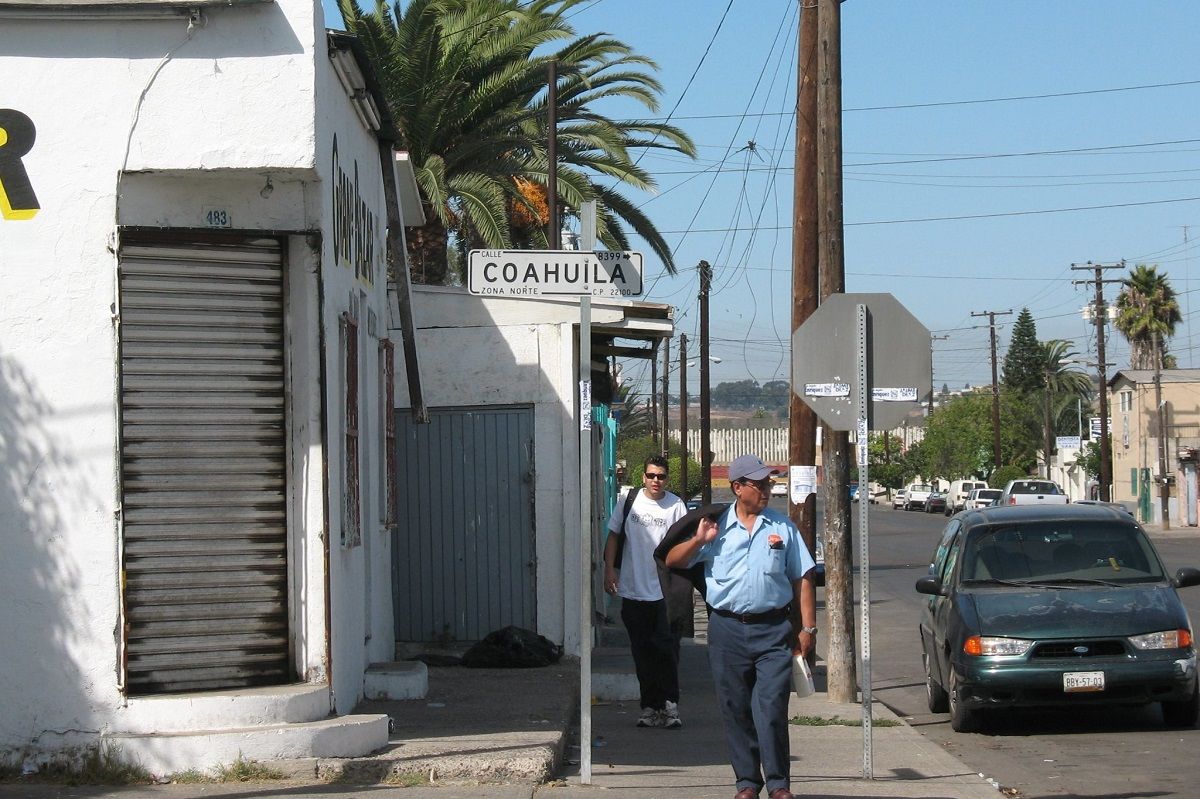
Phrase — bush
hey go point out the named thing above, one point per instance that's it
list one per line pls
(635, 451)
(1001, 476)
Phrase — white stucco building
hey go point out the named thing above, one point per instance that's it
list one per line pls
(194, 361)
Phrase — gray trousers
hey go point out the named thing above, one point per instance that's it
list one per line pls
(752, 671)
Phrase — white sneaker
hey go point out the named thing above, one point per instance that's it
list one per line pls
(670, 716)
(650, 718)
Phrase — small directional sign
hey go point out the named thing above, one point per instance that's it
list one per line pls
(534, 273)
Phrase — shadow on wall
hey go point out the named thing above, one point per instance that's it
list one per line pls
(44, 691)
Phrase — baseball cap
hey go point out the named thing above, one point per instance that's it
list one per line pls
(749, 467)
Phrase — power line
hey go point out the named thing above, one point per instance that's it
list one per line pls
(981, 101)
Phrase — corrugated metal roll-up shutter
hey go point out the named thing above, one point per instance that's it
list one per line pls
(203, 453)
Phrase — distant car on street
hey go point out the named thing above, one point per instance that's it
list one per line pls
(916, 495)
(1054, 606)
(936, 503)
(779, 488)
(1032, 492)
(981, 498)
(899, 499)
(956, 498)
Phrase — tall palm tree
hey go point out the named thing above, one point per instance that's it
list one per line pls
(1147, 313)
(1062, 385)
(466, 83)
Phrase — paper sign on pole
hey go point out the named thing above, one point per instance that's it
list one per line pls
(802, 483)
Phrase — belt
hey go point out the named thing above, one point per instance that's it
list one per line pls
(778, 614)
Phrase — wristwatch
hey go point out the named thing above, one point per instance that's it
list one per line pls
(809, 630)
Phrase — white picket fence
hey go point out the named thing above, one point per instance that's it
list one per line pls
(768, 443)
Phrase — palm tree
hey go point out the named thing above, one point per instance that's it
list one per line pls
(1062, 385)
(1147, 313)
(466, 83)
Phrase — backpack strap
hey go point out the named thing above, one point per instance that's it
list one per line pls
(630, 496)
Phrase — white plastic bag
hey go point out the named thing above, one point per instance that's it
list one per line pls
(802, 679)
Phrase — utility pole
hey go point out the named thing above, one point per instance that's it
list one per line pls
(666, 386)
(835, 446)
(553, 229)
(1100, 316)
(991, 315)
(705, 419)
(654, 392)
(802, 420)
(932, 339)
(683, 413)
(1164, 490)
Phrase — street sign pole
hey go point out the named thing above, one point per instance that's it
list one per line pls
(864, 548)
(587, 242)
(876, 388)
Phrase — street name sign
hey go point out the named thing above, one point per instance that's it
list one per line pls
(543, 273)
(899, 362)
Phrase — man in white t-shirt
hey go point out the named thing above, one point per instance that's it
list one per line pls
(654, 644)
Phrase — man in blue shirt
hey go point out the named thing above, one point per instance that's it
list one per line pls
(760, 583)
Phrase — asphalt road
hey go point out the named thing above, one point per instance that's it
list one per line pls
(1099, 754)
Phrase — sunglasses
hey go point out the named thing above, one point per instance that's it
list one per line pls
(761, 485)
(655, 475)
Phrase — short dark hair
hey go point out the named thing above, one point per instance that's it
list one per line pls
(656, 460)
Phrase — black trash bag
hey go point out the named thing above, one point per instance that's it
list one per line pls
(512, 648)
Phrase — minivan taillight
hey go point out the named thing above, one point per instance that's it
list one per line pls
(1012, 500)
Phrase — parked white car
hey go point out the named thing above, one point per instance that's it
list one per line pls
(981, 498)
(899, 499)
(956, 499)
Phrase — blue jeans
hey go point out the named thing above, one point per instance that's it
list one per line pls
(752, 671)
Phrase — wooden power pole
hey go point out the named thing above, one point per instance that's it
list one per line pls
(1100, 316)
(991, 315)
(705, 418)
(683, 413)
(835, 446)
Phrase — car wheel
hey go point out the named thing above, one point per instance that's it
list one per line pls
(962, 718)
(935, 694)
(1182, 714)
(947, 511)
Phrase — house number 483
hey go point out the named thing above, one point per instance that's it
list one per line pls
(216, 217)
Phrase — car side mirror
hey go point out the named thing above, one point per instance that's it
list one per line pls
(933, 586)
(1186, 576)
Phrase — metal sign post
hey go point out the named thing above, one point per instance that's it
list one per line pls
(587, 240)
(891, 351)
(585, 273)
(862, 320)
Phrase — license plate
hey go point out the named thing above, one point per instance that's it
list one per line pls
(1074, 681)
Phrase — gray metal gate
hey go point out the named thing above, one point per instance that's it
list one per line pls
(463, 551)
(202, 465)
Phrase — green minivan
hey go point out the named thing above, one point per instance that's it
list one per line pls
(1054, 606)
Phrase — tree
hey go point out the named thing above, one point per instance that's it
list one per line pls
(1147, 313)
(742, 394)
(1061, 383)
(958, 436)
(1023, 361)
(465, 81)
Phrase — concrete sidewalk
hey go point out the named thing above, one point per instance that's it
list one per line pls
(511, 734)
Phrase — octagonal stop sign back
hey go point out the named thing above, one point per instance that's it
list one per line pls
(825, 361)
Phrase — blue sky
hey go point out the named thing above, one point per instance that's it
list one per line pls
(927, 134)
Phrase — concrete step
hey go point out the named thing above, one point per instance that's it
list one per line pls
(400, 679)
(614, 678)
(163, 753)
(242, 707)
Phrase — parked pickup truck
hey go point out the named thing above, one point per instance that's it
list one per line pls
(916, 496)
(1032, 492)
